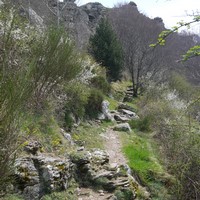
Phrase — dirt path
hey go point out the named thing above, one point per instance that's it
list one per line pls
(112, 145)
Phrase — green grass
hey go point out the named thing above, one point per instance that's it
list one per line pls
(65, 195)
(143, 161)
(45, 129)
(88, 134)
(119, 89)
(140, 157)
(113, 103)
(12, 197)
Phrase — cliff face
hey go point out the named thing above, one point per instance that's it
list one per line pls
(80, 22)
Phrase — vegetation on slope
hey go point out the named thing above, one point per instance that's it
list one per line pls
(39, 94)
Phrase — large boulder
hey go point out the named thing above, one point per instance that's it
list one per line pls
(122, 127)
(105, 111)
(37, 175)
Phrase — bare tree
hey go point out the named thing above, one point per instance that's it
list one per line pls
(136, 32)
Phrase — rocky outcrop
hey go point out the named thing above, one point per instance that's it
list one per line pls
(46, 173)
(38, 175)
(93, 170)
(79, 22)
(105, 115)
(33, 147)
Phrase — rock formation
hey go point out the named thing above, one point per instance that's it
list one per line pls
(37, 175)
(80, 22)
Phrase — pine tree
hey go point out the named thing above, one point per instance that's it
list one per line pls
(107, 50)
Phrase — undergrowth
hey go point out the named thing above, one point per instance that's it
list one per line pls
(89, 134)
(143, 161)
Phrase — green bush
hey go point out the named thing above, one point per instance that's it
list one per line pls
(141, 124)
(93, 106)
(124, 194)
(101, 83)
(184, 89)
(77, 98)
(68, 121)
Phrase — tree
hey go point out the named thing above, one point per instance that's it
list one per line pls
(135, 32)
(107, 50)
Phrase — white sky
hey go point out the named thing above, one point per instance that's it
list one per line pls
(171, 11)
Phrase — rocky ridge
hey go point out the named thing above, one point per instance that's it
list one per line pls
(79, 21)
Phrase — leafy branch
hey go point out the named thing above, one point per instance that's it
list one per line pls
(192, 52)
(166, 33)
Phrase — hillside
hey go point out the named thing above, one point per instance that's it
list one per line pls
(90, 110)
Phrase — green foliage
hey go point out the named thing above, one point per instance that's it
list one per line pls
(44, 128)
(31, 66)
(140, 157)
(143, 161)
(53, 62)
(178, 134)
(101, 83)
(107, 50)
(143, 125)
(124, 194)
(184, 89)
(113, 104)
(193, 51)
(70, 194)
(89, 134)
(15, 90)
(68, 120)
(12, 197)
(93, 106)
(77, 98)
(100, 183)
(118, 89)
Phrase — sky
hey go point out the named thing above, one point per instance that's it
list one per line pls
(171, 11)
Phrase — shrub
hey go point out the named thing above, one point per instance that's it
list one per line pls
(124, 194)
(101, 83)
(54, 62)
(141, 124)
(77, 98)
(93, 106)
(184, 89)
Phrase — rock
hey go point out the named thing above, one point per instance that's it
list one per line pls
(105, 174)
(99, 156)
(67, 136)
(33, 147)
(38, 175)
(80, 148)
(132, 3)
(105, 111)
(102, 194)
(125, 106)
(121, 118)
(80, 22)
(36, 19)
(122, 127)
(129, 113)
(26, 172)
